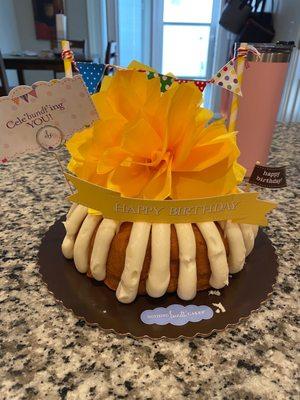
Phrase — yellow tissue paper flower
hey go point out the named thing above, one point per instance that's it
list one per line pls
(155, 145)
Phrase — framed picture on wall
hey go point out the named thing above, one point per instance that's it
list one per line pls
(44, 17)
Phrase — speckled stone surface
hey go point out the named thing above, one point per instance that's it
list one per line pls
(47, 353)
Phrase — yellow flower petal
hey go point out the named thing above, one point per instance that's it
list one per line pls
(205, 156)
(155, 145)
(78, 139)
(129, 181)
(214, 181)
(141, 132)
(110, 159)
(139, 66)
(182, 110)
(212, 131)
(105, 107)
(108, 133)
(160, 186)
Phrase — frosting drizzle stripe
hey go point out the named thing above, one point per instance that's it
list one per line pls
(72, 225)
(83, 242)
(187, 279)
(104, 236)
(248, 236)
(159, 272)
(237, 249)
(216, 254)
(134, 259)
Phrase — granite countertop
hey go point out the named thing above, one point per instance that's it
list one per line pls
(47, 353)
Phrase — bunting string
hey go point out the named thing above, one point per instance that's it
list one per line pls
(226, 77)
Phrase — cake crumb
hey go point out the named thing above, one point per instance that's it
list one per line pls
(219, 306)
(214, 292)
(217, 311)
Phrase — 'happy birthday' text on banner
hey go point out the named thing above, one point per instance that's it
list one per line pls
(240, 207)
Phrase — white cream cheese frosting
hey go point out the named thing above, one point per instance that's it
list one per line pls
(104, 236)
(255, 230)
(82, 245)
(187, 279)
(72, 208)
(72, 225)
(82, 227)
(67, 246)
(237, 249)
(134, 259)
(216, 254)
(248, 236)
(159, 271)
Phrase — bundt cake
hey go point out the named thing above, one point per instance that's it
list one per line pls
(154, 143)
(144, 258)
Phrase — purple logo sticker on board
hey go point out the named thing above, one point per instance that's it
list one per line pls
(176, 314)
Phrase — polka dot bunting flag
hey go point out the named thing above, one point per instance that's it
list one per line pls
(200, 84)
(92, 74)
(165, 81)
(227, 78)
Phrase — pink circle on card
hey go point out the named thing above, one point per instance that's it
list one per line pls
(14, 108)
(6, 145)
(49, 93)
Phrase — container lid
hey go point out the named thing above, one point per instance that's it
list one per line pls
(271, 52)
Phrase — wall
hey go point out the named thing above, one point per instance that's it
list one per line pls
(287, 20)
(9, 35)
(76, 27)
(97, 29)
(287, 26)
(28, 41)
(76, 11)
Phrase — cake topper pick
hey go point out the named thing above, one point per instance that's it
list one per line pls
(51, 138)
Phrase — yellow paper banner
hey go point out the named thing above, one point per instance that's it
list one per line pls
(240, 207)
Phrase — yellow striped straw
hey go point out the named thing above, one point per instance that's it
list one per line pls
(235, 98)
(67, 62)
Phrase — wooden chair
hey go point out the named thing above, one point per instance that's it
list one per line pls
(110, 55)
(4, 88)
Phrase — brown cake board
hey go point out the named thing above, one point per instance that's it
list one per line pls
(97, 304)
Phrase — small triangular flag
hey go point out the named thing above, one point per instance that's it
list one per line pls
(25, 97)
(33, 93)
(92, 73)
(165, 80)
(227, 78)
(200, 84)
